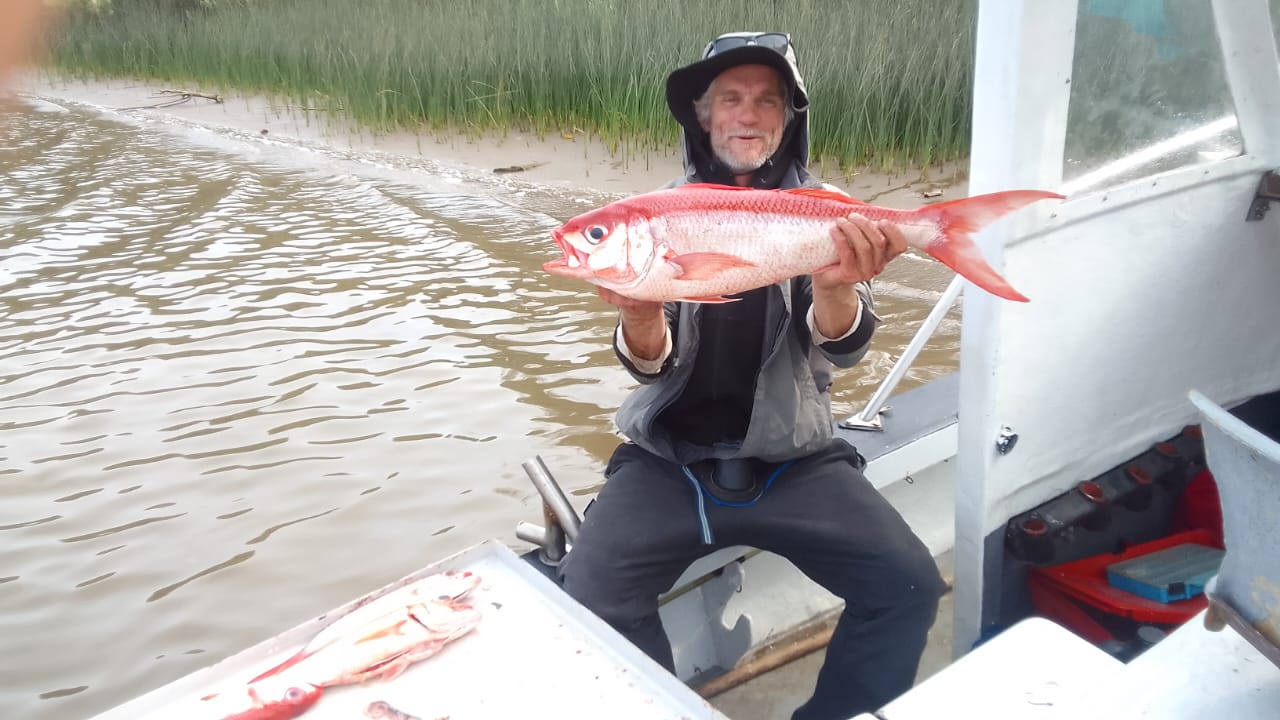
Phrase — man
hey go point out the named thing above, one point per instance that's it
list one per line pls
(731, 429)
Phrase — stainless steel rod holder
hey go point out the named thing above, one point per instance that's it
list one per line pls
(530, 533)
(550, 541)
(553, 496)
(553, 545)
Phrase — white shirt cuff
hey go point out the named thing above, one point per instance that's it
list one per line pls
(820, 339)
(646, 367)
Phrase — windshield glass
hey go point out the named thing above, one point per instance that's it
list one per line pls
(1148, 92)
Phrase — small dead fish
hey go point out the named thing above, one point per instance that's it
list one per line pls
(381, 710)
(436, 597)
(382, 648)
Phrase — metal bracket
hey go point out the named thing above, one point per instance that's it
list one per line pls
(1268, 192)
(856, 422)
(730, 642)
(1006, 440)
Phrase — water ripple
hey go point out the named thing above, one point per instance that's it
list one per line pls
(230, 562)
(120, 528)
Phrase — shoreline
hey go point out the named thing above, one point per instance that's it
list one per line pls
(572, 161)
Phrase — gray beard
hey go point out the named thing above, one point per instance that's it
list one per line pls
(742, 169)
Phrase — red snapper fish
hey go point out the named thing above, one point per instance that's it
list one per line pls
(378, 640)
(702, 242)
(381, 639)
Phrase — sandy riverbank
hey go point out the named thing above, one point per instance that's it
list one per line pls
(575, 161)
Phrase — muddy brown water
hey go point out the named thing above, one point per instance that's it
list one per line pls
(244, 381)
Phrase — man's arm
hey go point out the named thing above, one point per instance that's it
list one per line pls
(864, 248)
(644, 330)
(643, 338)
(847, 350)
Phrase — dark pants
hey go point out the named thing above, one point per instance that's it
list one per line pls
(820, 513)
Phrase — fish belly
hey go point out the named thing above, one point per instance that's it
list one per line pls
(774, 247)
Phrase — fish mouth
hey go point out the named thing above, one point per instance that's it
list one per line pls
(572, 264)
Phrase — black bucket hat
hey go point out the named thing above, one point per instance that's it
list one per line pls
(687, 84)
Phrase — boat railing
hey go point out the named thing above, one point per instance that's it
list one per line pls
(869, 418)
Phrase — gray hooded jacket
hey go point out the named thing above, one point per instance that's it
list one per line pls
(791, 412)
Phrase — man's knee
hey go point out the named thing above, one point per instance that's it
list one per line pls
(592, 575)
(920, 574)
(634, 615)
(909, 587)
(921, 589)
(591, 585)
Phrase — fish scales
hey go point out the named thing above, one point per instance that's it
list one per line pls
(785, 237)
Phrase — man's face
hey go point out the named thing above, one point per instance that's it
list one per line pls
(746, 116)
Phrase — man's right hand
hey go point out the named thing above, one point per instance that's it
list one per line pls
(623, 302)
(644, 324)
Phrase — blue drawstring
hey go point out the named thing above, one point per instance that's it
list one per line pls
(707, 538)
(701, 493)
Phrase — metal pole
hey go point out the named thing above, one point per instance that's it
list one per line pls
(553, 496)
(553, 545)
(869, 418)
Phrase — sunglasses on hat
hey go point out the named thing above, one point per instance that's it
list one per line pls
(772, 40)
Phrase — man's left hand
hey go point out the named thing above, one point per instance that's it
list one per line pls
(864, 247)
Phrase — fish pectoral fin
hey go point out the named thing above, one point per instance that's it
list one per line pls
(706, 265)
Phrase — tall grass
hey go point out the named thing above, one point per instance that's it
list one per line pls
(889, 79)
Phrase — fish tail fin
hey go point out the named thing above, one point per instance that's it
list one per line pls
(957, 219)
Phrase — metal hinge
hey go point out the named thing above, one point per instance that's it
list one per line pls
(1268, 191)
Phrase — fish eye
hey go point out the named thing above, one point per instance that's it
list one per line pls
(596, 233)
(294, 693)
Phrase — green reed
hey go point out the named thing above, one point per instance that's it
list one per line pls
(889, 79)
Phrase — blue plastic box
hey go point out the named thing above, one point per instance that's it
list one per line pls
(1175, 573)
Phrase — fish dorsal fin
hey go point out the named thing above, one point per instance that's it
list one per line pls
(824, 194)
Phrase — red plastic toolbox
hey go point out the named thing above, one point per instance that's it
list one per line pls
(1086, 582)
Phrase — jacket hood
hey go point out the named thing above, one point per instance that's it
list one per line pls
(688, 83)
